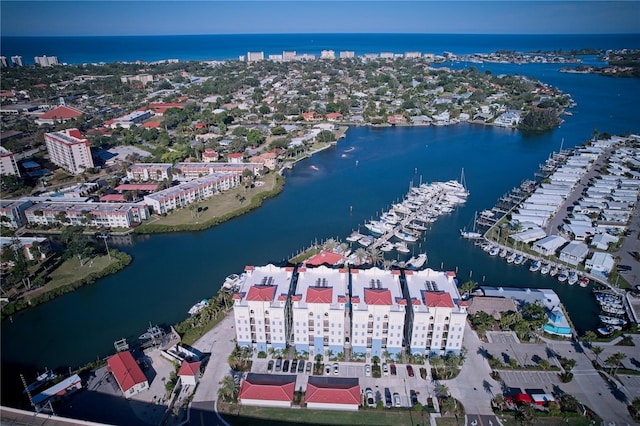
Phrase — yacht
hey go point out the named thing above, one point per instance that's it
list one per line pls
(535, 266)
(386, 247)
(511, 257)
(554, 271)
(402, 247)
(503, 253)
(572, 278)
(563, 275)
(519, 259)
(545, 268)
(493, 251)
(198, 306)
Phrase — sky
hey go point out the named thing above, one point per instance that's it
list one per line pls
(157, 17)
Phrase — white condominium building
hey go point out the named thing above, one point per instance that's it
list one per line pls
(69, 150)
(378, 311)
(261, 308)
(320, 318)
(110, 215)
(8, 165)
(437, 319)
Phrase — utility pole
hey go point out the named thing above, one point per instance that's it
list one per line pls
(105, 236)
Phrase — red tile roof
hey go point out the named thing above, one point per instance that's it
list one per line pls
(61, 113)
(435, 299)
(137, 186)
(342, 299)
(415, 301)
(189, 368)
(377, 296)
(261, 293)
(119, 198)
(325, 257)
(126, 370)
(401, 301)
(355, 299)
(333, 391)
(151, 125)
(276, 388)
(319, 295)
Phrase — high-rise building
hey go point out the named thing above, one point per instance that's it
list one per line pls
(16, 61)
(328, 54)
(377, 312)
(8, 165)
(436, 320)
(262, 306)
(69, 150)
(319, 313)
(46, 61)
(3, 61)
(347, 54)
(288, 55)
(255, 56)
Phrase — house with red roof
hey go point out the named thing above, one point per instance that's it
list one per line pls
(189, 373)
(130, 378)
(311, 116)
(438, 316)
(261, 307)
(160, 108)
(378, 311)
(268, 390)
(319, 310)
(235, 157)
(334, 116)
(325, 257)
(333, 393)
(61, 114)
(210, 155)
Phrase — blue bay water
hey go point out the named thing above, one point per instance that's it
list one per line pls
(171, 272)
(77, 50)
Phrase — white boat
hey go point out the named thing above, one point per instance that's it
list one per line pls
(535, 266)
(355, 236)
(503, 253)
(519, 259)
(545, 269)
(199, 306)
(612, 320)
(417, 262)
(366, 240)
(377, 227)
(416, 226)
(386, 247)
(473, 234)
(554, 271)
(612, 310)
(406, 236)
(511, 257)
(584, 281)
(402, 247)
(572, 278)
(40, 381)
(493, 251)
(232, 281)
(563, 275)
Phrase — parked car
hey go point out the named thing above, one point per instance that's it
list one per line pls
(385, 369)
(371, 402)
(414, 397)
(301, 366)
(285, 366)
(278, 364)
(396, 400)
(309, 367)
(294, 365)
(327, 370)
(387, 398)
(367, 370)
(410, 370)
(392, 367)
(270, 366)
(336, 369)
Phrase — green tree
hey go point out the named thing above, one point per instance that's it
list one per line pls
(228, 390)
(569, 403)
(525, 414)
(597, 350)
(468, 287)
(447, 405)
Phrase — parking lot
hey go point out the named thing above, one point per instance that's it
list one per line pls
(400, 383)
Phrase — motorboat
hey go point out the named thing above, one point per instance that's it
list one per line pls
(503, 253)
(545, 268)
(402, 247)
(511, 257)
(198, 307)
(406, 236)
(366, 240)
(535, 266)
(612, 320)
(519, 259)
(563, 275)
(386, 247)
(417, 262)
(494, 250)
(583, 282)
(554, 271)
(572, 278)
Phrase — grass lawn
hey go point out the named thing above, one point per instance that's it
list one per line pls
(449, 421)
(244, 415)
(70, 271)
(216, 206)
(544, 421)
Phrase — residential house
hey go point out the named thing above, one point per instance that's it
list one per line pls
(130, 378)
(267, 390)
(574, 253)
(333, 393)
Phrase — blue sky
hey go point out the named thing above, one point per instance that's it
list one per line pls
(67, 18)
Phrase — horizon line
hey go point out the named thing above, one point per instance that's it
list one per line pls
(321, 33)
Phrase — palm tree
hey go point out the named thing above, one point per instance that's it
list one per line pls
(360, 254)
(442, 390)
(468, 287)
(448, 405)
(387, 264)
(228, 390)
(436, 362)
(330, 244)
(376, 256)
(615, 360)
(597, 350)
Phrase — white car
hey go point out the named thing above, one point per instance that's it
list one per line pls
(327, 370)
(396, 400)
(385, 369)
(371, 402)
(367, 370)
(336, 369)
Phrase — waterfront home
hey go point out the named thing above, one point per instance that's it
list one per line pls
(602, 241)
(377, 311)
(549, 245)
(508, 119)
(494, 306)
(267, 390)
(130, 378)
(112, 215)
(333, 393)
(574, 253)
(435, 323)
(546, 297)
(319, 313)
(600, 264)
(262, 308)
(558, 323)
(189, 373)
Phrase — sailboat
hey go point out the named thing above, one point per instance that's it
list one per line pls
(472, 235)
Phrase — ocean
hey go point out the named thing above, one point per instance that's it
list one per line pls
(347, 185)
(79, 50)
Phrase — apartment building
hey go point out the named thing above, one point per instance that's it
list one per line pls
(255, 56)
(262, 308)
(345, 54)
(436, 320)
(8, 165)
(13, 212)
(191, 192)
(377, 312)
(110, 215)
(46, 61)
(150, 171)
(327, 54)
(69, 150)
(320, 320)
